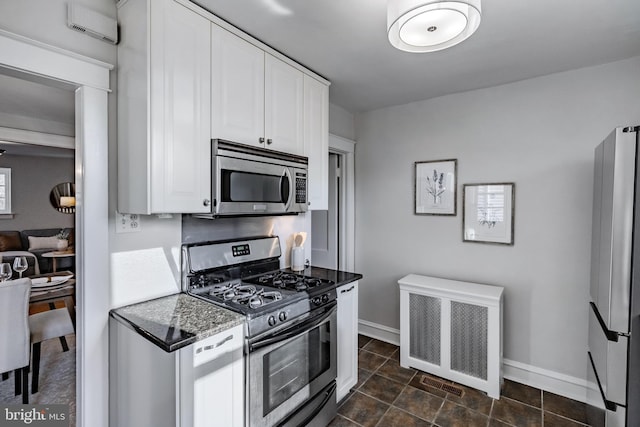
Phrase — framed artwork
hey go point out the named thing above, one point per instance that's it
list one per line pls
(435, 187)
(488, 213)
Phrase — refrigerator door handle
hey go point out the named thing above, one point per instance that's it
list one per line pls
(609, 405)
(611, 335)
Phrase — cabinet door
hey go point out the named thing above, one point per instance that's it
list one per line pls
(283, 106)
(180, 109)
(237, 88)
(316, 141)
(211, 381)
(347, 338)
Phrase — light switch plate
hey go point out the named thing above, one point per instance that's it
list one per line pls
(128, 223)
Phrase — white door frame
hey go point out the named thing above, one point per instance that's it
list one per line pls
(90, 80)
(347, 237)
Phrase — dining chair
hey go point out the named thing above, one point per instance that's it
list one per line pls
(44, 326)
(14, 332)
(13, 254)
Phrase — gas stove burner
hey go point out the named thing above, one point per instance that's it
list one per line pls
(266, 278)
(292, 281)
(239, 292)
(230, 291)
(312, 282)
(283, 280)
(219, 290)
(258, 299)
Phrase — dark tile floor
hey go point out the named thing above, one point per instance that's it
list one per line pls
(388, 395)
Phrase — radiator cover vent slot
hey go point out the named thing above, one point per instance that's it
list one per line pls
(469, 339)
(424, 313)
(453, 330)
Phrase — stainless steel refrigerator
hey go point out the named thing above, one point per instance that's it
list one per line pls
(614, 312)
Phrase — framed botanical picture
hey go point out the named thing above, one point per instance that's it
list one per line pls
(488, 213)
(435, 187)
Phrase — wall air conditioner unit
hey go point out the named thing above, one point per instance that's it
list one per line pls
(92, 23)
(453, 330)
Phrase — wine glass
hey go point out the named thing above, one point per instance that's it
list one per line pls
(20, 264)
(5, 271)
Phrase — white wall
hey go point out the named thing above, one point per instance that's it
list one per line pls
(538, 133)
(46, 21)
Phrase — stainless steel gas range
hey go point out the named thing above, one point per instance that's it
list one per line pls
(290, 352)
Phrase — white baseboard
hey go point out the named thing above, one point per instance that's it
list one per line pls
(379, 332)
(544, 379)
(551, 381)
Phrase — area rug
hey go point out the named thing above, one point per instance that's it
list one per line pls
(57, 382)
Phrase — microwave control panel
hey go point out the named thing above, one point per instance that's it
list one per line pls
(301, 188)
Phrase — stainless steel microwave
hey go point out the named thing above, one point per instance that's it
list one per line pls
(250, 180)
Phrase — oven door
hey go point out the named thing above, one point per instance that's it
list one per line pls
(251, 187)
(291, 367)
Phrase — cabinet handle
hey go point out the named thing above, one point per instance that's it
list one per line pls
(206, 202)
(229, 338)
(261, 140)
(269, 141)
(344, 291)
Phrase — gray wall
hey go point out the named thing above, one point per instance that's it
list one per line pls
(538, 133)
(32, 179)
(341, 122)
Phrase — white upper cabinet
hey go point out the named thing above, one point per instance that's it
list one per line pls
(237, 87)
(256, 98)
(316, 141)
(283, 106)
(164, 148)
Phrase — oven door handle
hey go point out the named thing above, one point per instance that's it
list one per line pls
(297, 329)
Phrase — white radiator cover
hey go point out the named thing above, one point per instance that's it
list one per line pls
(452, 329)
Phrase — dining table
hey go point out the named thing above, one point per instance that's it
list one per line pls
(52, 291)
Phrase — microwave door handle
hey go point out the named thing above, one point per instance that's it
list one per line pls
(286, 185)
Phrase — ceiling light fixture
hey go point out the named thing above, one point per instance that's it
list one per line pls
(431, 25)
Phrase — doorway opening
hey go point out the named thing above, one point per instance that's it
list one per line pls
(325, 224)
(37, 142)
(333, 230)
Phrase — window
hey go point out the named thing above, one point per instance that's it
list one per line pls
(5, 191)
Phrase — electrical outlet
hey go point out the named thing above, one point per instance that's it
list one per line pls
(127, 223)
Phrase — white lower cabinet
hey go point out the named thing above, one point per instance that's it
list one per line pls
(196, 386)
(347, 339)
(212, 381)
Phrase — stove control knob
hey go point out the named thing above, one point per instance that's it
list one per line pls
(272, 321)
(325, 298)
(316, 301)
(202, 281)
(282, 316)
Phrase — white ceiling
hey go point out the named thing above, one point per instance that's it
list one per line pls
(29, 105)
(346, 42)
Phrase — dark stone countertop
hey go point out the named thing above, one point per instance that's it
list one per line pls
(177, 320)
(339, 277)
